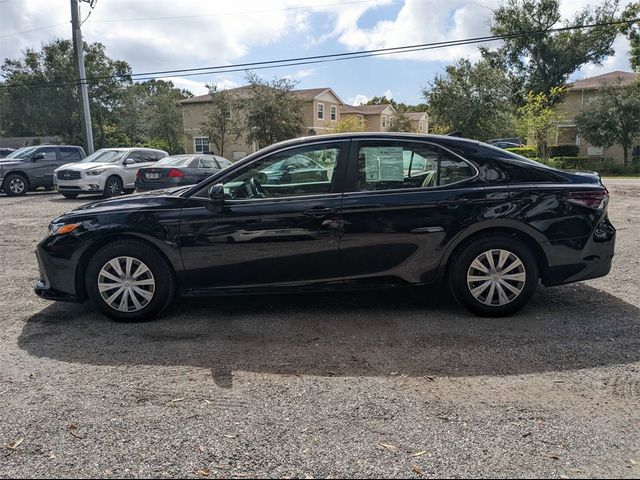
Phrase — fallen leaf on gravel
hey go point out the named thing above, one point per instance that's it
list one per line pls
(429, 379)
(107, 471)
(308, 476)
(175, 400)
(202, 448)
(633, 462)
(394, 373)
(551, 456)
(71, 429)
(525, 435)
(388, 446)
(203, 472)
(419, 454)
(16, 444)
(220, 467)
(417, 469)
(230, 436)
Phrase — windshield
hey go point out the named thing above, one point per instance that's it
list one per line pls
(105, 156)
(22, 152)
(174, 161)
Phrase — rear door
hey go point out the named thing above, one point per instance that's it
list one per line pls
(407, 200)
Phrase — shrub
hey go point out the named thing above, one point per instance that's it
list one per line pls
(603, 167)
(569, 162)
(529, 152)
(564, 151)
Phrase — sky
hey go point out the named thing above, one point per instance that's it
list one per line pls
(203, 33)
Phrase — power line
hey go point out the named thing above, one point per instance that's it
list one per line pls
(317, 59)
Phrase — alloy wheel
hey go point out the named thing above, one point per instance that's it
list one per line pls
(126, 284)
(114, 188)
(496, 277)
(17, 186)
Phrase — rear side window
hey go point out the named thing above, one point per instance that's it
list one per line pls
(398, 165)
(223, 162)
(208, 162)
(68, 154)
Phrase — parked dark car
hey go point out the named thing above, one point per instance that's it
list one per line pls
(178, 170)
(297, 169)
(506, 145)
(5, 152)
(512, 140)
(490, 223)
(29, 168)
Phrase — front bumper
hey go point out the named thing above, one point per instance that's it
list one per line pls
(94, 184)
(57, 272)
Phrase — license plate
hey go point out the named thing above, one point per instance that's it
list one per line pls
(153, 176)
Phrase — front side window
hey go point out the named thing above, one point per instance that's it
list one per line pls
(201, 144)
(49, 153)
(321, 111)
(398, 165)
(291, 173)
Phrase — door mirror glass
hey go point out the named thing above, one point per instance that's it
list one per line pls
(216, 193)
(129, 161)
(39, 156)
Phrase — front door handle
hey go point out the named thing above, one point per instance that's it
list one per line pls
(319, 212)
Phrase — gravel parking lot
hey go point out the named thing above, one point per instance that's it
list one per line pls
(385, 384)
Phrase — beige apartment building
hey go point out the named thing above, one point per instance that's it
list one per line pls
(321, 110)
(579, 94)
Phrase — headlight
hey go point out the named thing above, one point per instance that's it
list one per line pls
(62, 228)
(95, 172)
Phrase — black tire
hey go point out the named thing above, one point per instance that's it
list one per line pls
(112, 187)
(129, 191)
(15, 185)
(461, 276)
(161, 273)
(69, 195)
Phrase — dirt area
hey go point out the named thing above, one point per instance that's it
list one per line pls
(391, 384)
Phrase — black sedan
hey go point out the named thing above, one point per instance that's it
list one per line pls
(395, 209)
(178, 170)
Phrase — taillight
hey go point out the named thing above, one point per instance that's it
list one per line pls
(138, 174)
(174, 172)
(596, 199)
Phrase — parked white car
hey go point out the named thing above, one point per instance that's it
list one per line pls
(108, 171)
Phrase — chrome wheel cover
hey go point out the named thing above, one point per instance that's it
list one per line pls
(126, 284)
(496, 277)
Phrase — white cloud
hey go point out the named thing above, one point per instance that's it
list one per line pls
(388, 94)
(619, 61)
(358, 100)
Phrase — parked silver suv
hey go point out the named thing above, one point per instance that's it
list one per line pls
(108, 171)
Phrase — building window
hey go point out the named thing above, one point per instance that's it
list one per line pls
(334, 113)
(321, 111)
(384, 121)
(201, 144)
(594, 151)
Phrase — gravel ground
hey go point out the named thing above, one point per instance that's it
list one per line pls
(391, 384)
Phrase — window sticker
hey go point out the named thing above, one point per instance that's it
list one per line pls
(383, 164)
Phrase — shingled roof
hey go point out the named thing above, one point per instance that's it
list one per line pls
(593, 83)
(244, 92)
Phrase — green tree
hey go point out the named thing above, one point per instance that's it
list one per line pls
(538, 119)
(40, 96)
(223, 118)
(400, 122)
(163, 114)
(613, 117)
(273, 111)
(380, 101)
(544, 59)
(350, 123)
(474, 99)
(632, 31)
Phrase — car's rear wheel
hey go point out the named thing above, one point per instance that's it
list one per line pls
(129, 281)
(112, 187)
(494, 276)
(70, 195)
(15, 185)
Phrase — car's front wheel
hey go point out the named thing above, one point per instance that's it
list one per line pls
(129, 281)
(15, 185)
(494, 276)
(112, 187)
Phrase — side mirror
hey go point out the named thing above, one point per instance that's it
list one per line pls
(129, 161)
(216, 193)
(39, 156)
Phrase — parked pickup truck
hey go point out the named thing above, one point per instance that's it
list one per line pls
(29, 168)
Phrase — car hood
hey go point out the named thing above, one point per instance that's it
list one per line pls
(82, 167)
(140, 201)
(7, 163)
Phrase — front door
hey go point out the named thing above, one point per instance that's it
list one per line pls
(42, 168)
(275, 229)
(407, 200)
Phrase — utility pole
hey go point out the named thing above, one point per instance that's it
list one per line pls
(82, 76)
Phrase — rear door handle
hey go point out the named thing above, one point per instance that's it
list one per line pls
(319, 212)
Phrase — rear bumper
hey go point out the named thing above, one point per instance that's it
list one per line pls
(574, 260)
(166, 183)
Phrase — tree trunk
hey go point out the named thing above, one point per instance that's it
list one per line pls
(625, 147)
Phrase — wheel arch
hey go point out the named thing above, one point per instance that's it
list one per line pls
(524, 233)
(91, 250)
(20, 173)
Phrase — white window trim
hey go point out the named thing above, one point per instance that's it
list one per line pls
(195, 149)
(333, 114)
(318, 111)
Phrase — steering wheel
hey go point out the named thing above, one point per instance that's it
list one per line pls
(256, 188)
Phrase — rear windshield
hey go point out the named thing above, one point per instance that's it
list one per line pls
(174, 161)
(105, 156)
